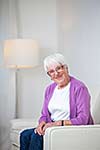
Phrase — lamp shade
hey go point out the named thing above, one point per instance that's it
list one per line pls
(21, 53)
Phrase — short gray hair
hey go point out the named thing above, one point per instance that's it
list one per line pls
(55, 58)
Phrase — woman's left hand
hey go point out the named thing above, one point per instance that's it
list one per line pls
(51, 124)
(48, 125)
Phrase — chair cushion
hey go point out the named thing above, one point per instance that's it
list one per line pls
(17, 126)
(14, 136)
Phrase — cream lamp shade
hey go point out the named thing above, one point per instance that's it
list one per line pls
(21, 53)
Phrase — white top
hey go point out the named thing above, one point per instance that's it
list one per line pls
(59, 104)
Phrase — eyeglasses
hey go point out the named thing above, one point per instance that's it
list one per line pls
(58, 69)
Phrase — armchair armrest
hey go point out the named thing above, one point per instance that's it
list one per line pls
(72, 138)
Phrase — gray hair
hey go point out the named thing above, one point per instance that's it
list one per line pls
(56, 58)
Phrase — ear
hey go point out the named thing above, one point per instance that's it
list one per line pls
(67, 69)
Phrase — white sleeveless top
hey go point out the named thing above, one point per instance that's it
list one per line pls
(59, 104)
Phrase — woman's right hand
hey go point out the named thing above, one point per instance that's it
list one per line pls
(39, 128)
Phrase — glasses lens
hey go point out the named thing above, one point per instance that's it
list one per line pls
(57, 70)
(50, 72)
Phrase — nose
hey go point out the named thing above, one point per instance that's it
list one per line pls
(56, 73)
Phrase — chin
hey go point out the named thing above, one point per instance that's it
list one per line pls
(60, 82)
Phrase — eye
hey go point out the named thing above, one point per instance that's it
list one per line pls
(51, 71)
(58, 68)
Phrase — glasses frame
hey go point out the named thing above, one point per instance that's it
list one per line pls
(58, 69)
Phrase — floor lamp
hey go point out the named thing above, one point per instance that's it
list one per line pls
(18, 54)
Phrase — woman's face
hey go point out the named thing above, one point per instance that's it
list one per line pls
(59, 74)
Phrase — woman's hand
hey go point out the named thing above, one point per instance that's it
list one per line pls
(51, 124)
(43, 125)
(56, 123)
(47, 125)
(39, 128)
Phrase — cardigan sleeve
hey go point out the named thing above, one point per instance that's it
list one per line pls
(45, 115)
(82, 99)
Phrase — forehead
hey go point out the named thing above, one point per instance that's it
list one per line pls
(53, 66)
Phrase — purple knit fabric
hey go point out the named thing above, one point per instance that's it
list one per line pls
(79, 103)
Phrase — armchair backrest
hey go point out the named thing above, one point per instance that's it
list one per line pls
(95, 103)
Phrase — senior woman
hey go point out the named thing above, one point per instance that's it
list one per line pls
(66, 102)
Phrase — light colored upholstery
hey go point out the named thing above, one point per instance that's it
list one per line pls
(17, 126)
(73, 138)
(67, 137)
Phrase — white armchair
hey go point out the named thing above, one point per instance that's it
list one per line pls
(66, 137)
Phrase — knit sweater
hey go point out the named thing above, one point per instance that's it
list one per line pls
(79, 99)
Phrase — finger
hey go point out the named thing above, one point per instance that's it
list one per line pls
(44, 128)
(40, 131)
(35, 131)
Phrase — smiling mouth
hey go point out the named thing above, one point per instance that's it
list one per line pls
(59, 77)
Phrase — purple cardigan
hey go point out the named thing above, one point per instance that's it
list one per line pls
(79, 103)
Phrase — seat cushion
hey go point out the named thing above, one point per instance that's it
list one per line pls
(14, 136)
(17, 126)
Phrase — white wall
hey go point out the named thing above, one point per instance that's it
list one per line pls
(32, 84)
(74, 25)
(67, 26)
(7, 91)
(25, 19)
(79, 37)
(37, 20)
